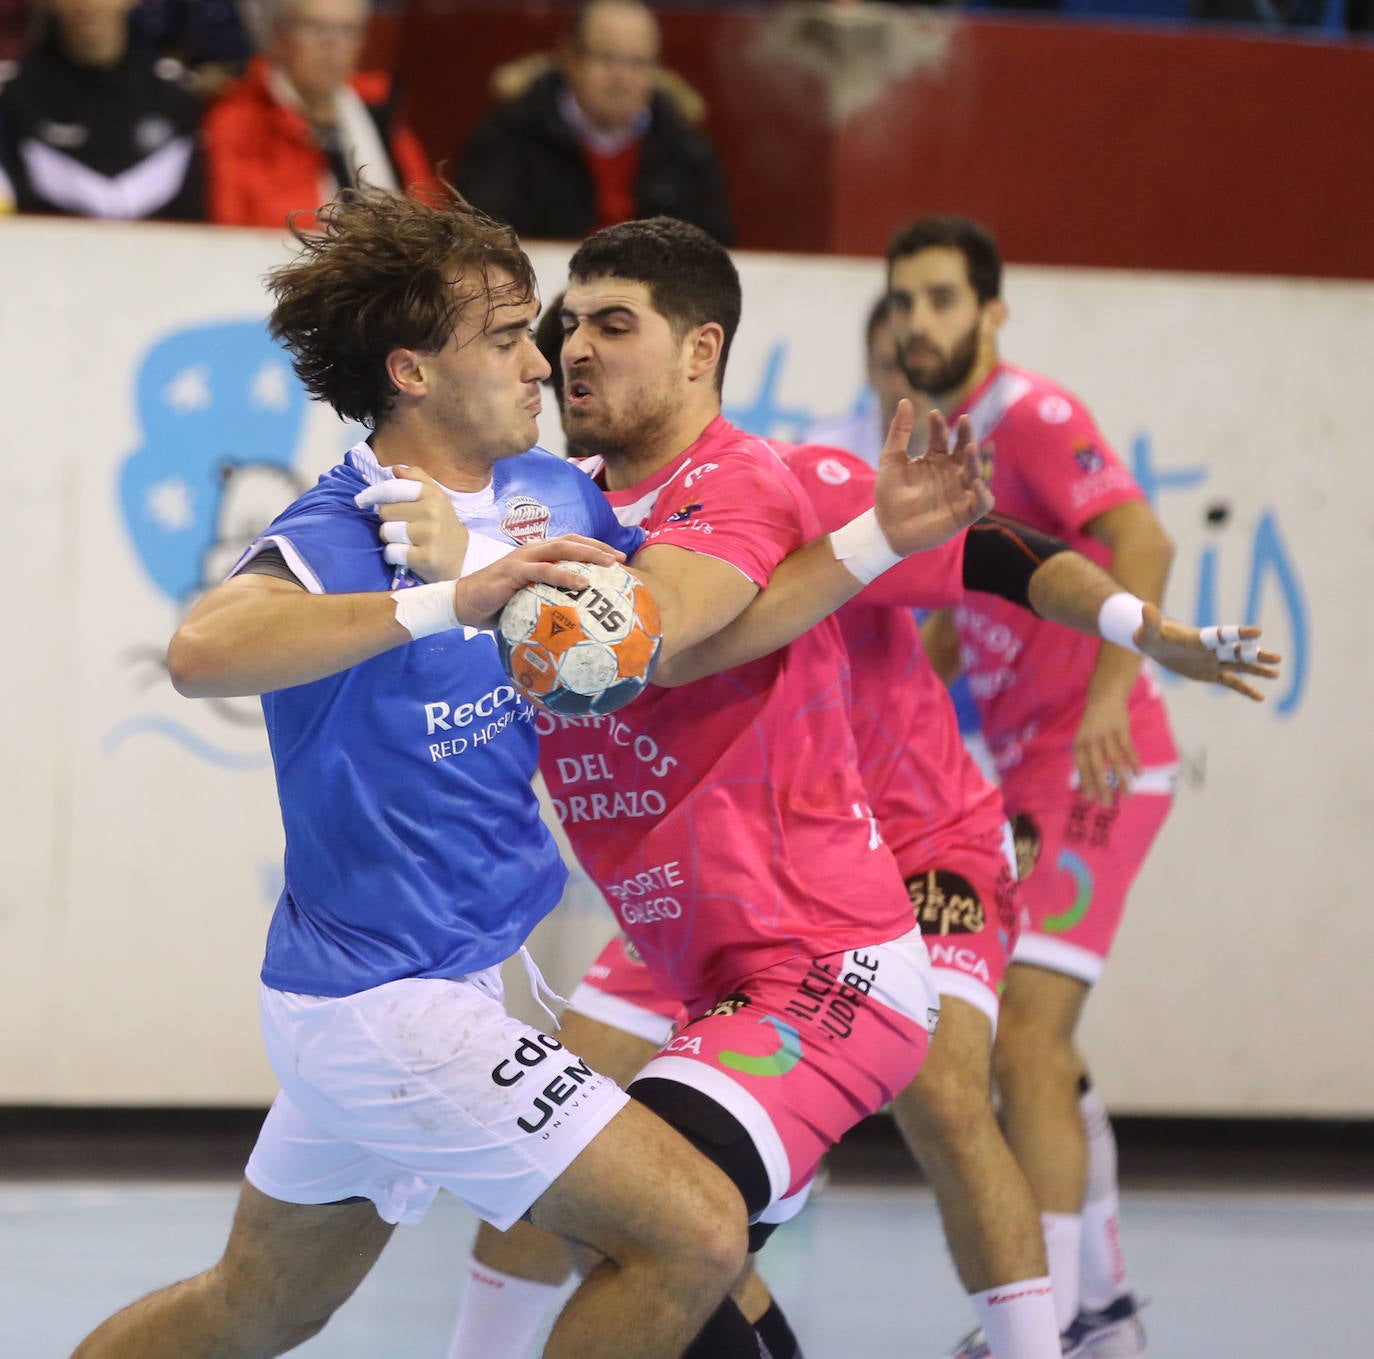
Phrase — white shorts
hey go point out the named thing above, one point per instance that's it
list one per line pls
(421, 1084)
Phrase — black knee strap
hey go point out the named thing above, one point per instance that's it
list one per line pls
(713, 1130)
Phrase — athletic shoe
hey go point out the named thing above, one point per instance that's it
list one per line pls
(1113, 1333)
(973, 1346)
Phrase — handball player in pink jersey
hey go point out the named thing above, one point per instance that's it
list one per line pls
(946, 827)
(1079, 736)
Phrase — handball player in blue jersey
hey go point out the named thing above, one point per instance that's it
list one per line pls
(416, 861)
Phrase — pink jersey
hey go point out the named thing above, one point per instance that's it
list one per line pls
(926, 790)
(1050, 467)
(726, 821)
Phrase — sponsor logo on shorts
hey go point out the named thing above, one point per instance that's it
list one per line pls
(830, 999)
(560, 1095)
(777, 1063)
(944, 903)
(1072, 864)
(728, 1005)
(525, 519)
(1090, 823)
(1026, 835)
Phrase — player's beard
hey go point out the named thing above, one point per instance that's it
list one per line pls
(950, 373)
(623, 439)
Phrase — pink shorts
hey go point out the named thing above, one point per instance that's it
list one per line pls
(1077, 861)
(969, 910)
(971, 914)
(617, 991)
(803, 1050)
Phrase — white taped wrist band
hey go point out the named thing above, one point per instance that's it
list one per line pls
(1119, 619)
(861, 548)
(424, 610)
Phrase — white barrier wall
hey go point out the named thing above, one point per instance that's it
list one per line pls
(152, 427)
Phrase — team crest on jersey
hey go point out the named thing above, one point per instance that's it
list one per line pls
(683, 513)
(1088, 457)
(832, 471)
(526, 520)
(1055, 409)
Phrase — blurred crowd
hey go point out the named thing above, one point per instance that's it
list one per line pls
(243, 112)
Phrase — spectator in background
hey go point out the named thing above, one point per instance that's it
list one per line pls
(210, 37)
(96, 126)
(304, 122)
(593, 142)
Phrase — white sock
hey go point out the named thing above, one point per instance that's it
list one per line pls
(1063, 1236)
(501, 1315)
(1018, 1320)
(1101, 1266)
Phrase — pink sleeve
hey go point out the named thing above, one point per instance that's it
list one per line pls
(1065, 464)
(747, 511)
(841, 488)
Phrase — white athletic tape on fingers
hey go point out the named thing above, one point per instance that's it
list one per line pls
(1249, 652)
(1219, 638)
(424, 610)
(1119, 619)
(396, 531)
(862, 549)
(393, 491)
(397, 554)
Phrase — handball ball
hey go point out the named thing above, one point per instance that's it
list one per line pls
(580, 651)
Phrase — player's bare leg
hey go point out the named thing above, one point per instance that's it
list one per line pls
(526, 1252)
(286, 1269)
(1037, 1068)
(672, 1229)
(990, 1217)
(513, 1277)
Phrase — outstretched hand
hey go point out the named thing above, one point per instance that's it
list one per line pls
(923, 502)
(1220, 655)
(478, 598)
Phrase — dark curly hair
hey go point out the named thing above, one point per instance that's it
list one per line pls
(386, 272)
(973, 240)
(690, 276)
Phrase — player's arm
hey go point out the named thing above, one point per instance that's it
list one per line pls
(1141, 556)
(1006, 558)
(920, 503)
(256, 633)
(940, 638)
(697, 597)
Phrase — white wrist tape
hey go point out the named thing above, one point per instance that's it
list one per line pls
(423, 610)
(1119, 618)
(862, 549)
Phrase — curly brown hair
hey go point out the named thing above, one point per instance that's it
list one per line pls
(386, 272)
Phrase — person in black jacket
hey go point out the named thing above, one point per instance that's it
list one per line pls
(593, 142)
(91, 124)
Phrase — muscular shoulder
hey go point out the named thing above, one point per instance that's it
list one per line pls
(1042, 408)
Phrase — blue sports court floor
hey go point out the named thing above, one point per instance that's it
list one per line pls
(1235, 1274)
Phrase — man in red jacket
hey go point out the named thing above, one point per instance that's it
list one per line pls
(304, 122)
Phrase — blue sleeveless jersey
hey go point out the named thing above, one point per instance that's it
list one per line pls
(414, 846)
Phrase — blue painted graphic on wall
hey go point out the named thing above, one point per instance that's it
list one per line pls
(1273, 592)
(222, 419)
